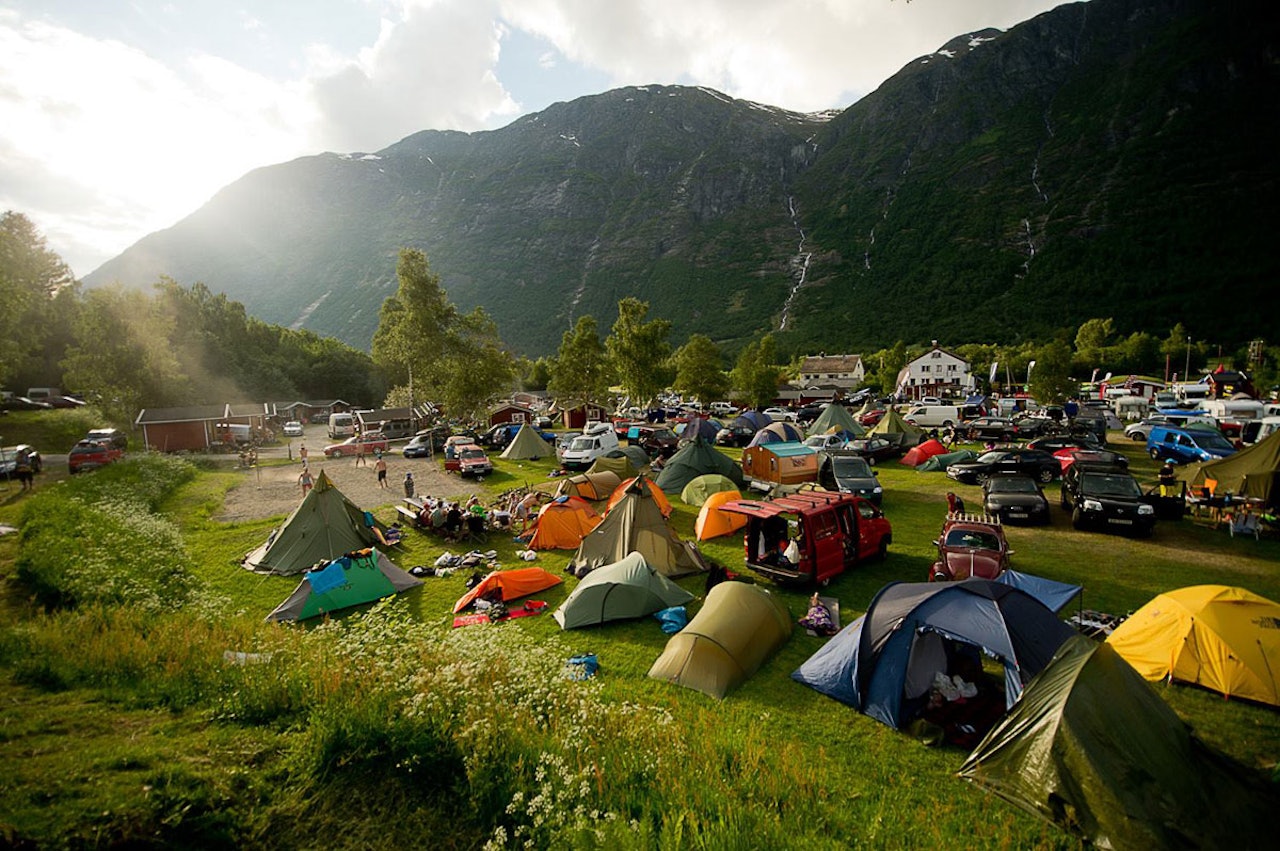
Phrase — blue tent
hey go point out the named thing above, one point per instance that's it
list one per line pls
(877, 663)
(699, 427)
(780, 432)
(1052, 593)
(751, 419)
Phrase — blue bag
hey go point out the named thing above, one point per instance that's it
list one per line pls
(673, 619)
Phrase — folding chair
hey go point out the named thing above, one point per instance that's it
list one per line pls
(1246, 523)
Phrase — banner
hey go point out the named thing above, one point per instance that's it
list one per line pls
(992, 377)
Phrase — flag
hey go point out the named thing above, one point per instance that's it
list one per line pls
(1128, 383)
(992, 376)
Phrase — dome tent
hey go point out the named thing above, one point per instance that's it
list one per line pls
(701, 487)
(779, 432)
(712, 522)
(563, 523)
(351, 580)
(693, 460)
(625, 589)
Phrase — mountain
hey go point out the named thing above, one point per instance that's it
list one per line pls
(1110, 158)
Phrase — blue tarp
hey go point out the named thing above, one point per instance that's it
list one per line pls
(332, 576)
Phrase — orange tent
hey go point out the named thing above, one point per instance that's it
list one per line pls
(712, 522)
(919, 454)
(590, 486)
(514, 584)
(563, 523)
(664, 504)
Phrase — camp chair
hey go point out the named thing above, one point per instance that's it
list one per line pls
(1245, 523)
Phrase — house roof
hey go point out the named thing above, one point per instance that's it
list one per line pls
(386, 414)
(247, 409)
(510, 406)
(191, 413)
(937, 349)
(831, 363)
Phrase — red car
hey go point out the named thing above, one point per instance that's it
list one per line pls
(91, 454)
(872, 417)
(372, 441)
(468, 460)
(970, 546)
(832, 533)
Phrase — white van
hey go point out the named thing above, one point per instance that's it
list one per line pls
(599, 439)
(341, 426)
(933, 416)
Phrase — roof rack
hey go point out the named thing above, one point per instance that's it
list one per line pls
(969, 517)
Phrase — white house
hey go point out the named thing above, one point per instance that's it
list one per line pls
(937, 372)
(844, 371)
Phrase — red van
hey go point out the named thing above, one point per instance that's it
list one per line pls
(826, 532)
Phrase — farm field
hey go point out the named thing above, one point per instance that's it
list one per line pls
(146, 724)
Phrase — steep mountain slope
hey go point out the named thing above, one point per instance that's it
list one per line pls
(1111, 158)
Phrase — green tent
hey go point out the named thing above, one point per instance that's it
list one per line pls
(735, 632)
(694, 459)
(1091, 747)
(836, 418)
(893, 427)
(619, 463)
(342, 583)
(636, 524)
(324, 526)
(527, 445)
(940, 463)
(1251, 472)
(702, 487)
(626, 589)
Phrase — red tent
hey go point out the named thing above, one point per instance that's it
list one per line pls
(919, 454)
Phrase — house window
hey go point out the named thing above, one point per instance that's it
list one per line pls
(517, 417)
(936, 355)
(924, 368)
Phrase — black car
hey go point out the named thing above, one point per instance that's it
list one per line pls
(990, 428)
(1054, 442)
(1015, 499)
(658, 441)
(849, 472)
(874, 449)
(735, 435)
(22, 403)
(1103, 496)
(1038, 464)
(808, 413)
(1034, 426)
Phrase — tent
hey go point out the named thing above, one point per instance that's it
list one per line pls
(779, 432)
(527, 445)
(1225, 639)
(894, 427)
(1055, 595)
(1093, 749)
(323, 526)
(659, 497)
(737, 629)
(619, 463)
(563, 523)
(695, 459)
(754, 420)
(699, 428)
(701, 487)
(350, 580)
(517, 583)
(593, 487)
(1251, 472)
(836, 418)
(885, 660)
(636, 524)
(917, 455)
(940, 463)
(626, 589)
(712, 522)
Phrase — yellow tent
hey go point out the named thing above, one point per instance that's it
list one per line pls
(563, 523)
(1225, 639)
(712, 522)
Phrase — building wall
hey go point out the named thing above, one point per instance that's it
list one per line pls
(176, 437)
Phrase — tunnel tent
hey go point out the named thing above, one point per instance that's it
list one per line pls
(351, 580)
(626, 589)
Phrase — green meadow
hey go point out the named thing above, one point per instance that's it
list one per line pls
(145, 703)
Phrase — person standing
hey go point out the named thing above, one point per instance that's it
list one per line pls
(305, 480)
(360, 462)
(25, 470)
(408, 485)
(381, 467)
(302, 453)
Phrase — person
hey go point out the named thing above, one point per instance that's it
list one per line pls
(1070, 408)
(1168, 479)
(408, 485)
(360, 460)
(526, 507)
(302, 453)
(305, 480)
(818, 618)
(955, 505)
(453, 520)
(25, 470)
(381, 467)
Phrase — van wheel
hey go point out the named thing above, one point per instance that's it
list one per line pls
(883, 551)
(947, 424)
(1154, 453)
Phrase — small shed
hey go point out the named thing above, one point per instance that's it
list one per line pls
(577, 418)
(787, 463)
(187, 429)
(510, 413)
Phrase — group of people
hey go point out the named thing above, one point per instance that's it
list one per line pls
(454, 519)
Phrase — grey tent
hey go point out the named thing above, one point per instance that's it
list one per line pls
(626, 589)
(940, 463)
(527, 445)
(702, 487)
(1092, 748)
(893, 427)
(735, 632)
(350, 580)
(324, 526)
(836, 418)
(695, 459)
(635, 524)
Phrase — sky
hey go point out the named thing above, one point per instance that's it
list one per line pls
(120, 117)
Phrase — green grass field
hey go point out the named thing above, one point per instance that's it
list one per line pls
(124, 721)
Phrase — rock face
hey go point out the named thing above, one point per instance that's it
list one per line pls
(1110, 158)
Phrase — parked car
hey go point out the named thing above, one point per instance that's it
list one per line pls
(470, 461)
(872, 417)
(970, 547)
(780, 415)
(1103, 496)
(990, 428)
(833, 532)
(114, 436)
(657, 441)
(502, 434)
(9, 457)
(735, 435)
(874, 449)
(1054, 442)
(1033, 426)
(1141, 430)
(22, 403)
(1187, 445)
(822, 442)
(64, 402)
(563, 442)
(293, 428)
(371, 441)
(808, 413)
(90, 455)
(1074, 454)
(1038, 464)
(849, 472)
(1015, 498)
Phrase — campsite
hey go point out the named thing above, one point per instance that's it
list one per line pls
(475, 731)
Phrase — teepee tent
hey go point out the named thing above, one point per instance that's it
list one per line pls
(695, 459)
(517, 583)
(1223, 638)
(712, 522)
(526, 445)
(701, 487)
(836, 418)
(893, 427)
(350, 580)
(1092, 748)
(658, 496)
(735, 632)
(626, 589)
(563, 523)
(323, 526)
(636, 523)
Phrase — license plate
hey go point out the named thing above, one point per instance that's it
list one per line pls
(1017, 514)
(1120, 521)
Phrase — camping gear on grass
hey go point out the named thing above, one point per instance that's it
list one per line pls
(350, 580)
(626, 589)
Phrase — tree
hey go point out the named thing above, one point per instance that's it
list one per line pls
(892, 362)
(31, 277)
(699, 373)
(639, 351)
(755, 374)
(1051, 381)
(580, 371)
(1092, 341)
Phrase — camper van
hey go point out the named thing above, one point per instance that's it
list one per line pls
(341, 426)
(1232, 414)
(598, 440)
(1191, 393)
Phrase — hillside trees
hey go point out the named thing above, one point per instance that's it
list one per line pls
(32, 278)
(581, 370)
(1050, 380)
(699, 370)
(755, 373)
(639, 351)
